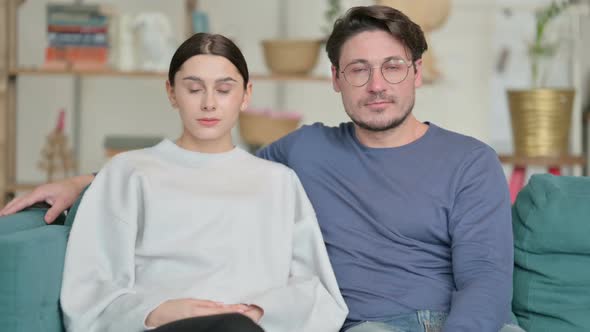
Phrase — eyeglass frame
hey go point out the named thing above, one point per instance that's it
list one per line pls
(408, 65)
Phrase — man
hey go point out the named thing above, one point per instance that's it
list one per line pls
(416, 219)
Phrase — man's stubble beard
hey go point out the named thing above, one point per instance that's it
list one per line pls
(392, 124)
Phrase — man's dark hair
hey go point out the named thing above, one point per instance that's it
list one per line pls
(371, 18)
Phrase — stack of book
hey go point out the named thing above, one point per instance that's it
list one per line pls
(77, 36)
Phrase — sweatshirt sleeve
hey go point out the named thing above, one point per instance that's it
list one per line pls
(482, 246)
(98, 289)
(311, 300)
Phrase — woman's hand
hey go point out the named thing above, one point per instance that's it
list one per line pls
(174, 310)
(254, 312)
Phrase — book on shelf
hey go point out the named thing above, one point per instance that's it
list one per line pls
(78, 14)
(76, 29)
(77, 39)
(77, 57)
(78, 36)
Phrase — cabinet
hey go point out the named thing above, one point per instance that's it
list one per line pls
(10, 73)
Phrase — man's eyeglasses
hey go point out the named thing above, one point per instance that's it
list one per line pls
(359, 73)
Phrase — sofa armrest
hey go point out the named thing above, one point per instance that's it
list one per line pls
(24, 220)
(30, 274)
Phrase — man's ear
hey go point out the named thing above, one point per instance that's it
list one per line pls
(335, 80)
(417, 67)
(171, 95)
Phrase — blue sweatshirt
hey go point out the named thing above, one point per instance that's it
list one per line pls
(424, 226)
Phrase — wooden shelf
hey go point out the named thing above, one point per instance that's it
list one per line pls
(276, 77)
(543, 161)
(35, 71)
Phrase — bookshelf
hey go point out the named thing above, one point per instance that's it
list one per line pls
(10, 72)
(14, 72)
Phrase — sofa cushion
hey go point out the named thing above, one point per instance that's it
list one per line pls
(28, 219)
(551, 223)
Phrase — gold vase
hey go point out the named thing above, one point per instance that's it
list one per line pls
(541, 121)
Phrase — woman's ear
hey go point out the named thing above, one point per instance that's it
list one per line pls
(247, 96)
(171, 95)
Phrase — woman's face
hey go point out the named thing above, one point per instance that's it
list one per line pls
(209, 93)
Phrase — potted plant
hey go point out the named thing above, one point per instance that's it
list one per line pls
(541, 116)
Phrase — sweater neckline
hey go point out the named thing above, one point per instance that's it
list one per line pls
(193, 158)
(424, 138)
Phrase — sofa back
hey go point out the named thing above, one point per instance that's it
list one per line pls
(551, 223)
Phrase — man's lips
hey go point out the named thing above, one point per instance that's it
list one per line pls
(379, 103)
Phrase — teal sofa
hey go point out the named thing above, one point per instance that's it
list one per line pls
(551, 220)
(31, 265)
(551, 223)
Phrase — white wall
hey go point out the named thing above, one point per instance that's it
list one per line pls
(460, 102)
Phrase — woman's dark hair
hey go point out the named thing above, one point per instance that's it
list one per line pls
(370, 18)
(206, 43)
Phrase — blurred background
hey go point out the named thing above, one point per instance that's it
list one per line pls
(83, 80)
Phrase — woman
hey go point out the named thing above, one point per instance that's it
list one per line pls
(197, 234)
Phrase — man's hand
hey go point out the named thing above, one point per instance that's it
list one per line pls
(60, 195)
(174, 310)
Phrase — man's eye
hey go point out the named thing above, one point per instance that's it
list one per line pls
(223, 91)
(195, 90)
(393, 68)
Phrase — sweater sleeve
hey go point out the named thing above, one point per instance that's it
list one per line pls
(482, 246)
(311, 300)
(98, 292)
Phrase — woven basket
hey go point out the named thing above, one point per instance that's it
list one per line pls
(541, 121)
(295, 57)
(259, 129)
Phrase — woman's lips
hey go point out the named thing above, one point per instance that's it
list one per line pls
(206, 122)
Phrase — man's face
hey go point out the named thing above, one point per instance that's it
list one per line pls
(378, 105)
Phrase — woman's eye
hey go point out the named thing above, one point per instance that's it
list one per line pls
(223, 91)
(194, 90)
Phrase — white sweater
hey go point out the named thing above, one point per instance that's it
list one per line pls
(166, 223)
